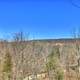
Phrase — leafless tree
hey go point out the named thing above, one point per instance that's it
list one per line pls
(19, 45)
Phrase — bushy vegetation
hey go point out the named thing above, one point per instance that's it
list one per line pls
(7, 66)
(53, 65)
(31, 58)
(59, 75)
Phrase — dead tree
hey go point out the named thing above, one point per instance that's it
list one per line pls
(77, 48)
(19, 45)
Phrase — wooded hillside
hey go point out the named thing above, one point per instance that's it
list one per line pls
(58, 59)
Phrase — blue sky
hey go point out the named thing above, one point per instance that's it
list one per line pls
(42, 19)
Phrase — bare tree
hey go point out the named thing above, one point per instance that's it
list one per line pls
(19, 45)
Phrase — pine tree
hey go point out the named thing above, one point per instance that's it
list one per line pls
(53, 66)
(7, 66)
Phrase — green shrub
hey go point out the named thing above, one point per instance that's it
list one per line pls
(7, 66)
(59, 75)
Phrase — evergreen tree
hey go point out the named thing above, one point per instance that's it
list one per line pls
(7, 66)
(53, 66)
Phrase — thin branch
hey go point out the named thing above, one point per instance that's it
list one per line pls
(74, 4)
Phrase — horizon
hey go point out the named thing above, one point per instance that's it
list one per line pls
(42, 19)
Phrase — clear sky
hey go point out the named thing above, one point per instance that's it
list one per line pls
(40, 18)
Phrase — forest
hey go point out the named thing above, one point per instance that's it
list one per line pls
(23, 59)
